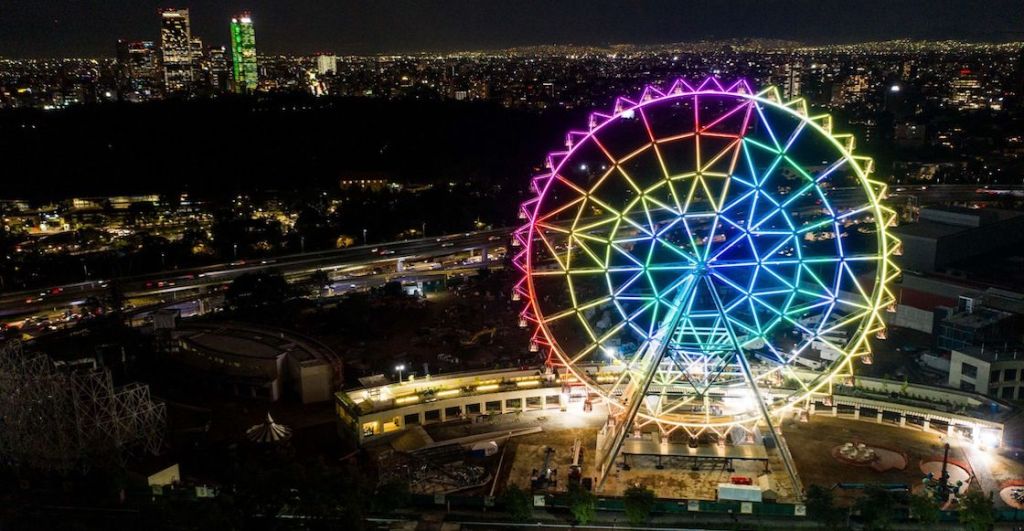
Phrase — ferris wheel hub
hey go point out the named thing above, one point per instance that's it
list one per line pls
(691, 231)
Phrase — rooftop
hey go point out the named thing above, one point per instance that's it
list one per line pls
(979, 318)
(248, 341)
(927, 229)
(937, 223)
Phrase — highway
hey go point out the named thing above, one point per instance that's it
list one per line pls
(196, 281)
(213, 277)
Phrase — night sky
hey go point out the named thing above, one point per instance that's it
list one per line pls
(52, 28)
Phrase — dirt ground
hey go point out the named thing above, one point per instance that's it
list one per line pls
(677, 481)
(811, 444)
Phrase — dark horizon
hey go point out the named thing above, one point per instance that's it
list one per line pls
(62, 28)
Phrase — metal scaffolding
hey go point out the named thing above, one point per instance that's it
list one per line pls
(62, 419)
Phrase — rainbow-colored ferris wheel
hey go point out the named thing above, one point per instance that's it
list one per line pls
(720, 251)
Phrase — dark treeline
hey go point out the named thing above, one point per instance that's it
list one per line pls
(216, 147)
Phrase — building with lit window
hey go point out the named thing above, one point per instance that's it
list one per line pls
(380, 407)
(966, 91)
(326, 64)
(243, 53)
(215, 69)
(176, 51)
(787, 78)
(138, 70)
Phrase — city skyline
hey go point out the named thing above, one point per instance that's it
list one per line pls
(487, 264)
(54, 29)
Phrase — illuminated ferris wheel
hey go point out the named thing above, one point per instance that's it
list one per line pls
(721, 252)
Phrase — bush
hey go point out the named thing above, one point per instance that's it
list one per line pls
(638, 502)
(821, 506)
(391, 495)
(517, 503)
(924, 508)
(877, 508)
(582, 504)
(977, 512)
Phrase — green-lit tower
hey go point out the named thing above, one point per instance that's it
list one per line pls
(243, 53)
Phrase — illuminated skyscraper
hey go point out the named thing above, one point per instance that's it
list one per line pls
(176, 49)
(197, 55)
(966, 91)
(217, 68)
(138, 72)
(243, 53)
(787, 78)
(326, 64)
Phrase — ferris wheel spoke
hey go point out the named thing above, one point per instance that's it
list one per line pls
(768, 127)
(597, 261)
(566, 209)
(575, 310)
(745, 201)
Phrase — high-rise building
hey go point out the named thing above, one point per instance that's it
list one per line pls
(851, 90)
(196, 44)
(966, 91)
(138, 70)
(218, 68)
(787, 78)
(326, 64)
(176, 49)
(243, 53)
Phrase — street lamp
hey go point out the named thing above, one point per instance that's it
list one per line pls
(400, 368)
(364, 236)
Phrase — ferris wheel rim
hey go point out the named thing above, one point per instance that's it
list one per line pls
(873, 193)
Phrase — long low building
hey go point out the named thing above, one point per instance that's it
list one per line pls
(382, 407)
(945, 236)
(255, 362)
(385, 407)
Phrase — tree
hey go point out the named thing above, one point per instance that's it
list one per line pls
(821, 506)
(582, 504)
(391, 495)
(517, 503)
(925, 508)
(321, 280)
(115, 296)
(255, 290)
(977, 511)
(638, 502)
(877, 508)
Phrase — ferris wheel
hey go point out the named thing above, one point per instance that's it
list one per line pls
(718, 254)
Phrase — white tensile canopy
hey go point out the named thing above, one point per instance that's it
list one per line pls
(268, 432)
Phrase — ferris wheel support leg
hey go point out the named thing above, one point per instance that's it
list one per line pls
(653, 352)
(748, 374)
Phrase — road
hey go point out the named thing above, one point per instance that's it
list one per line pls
(193, 281)
(209, 278)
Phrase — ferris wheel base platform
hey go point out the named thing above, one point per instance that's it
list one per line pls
(744, 452)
